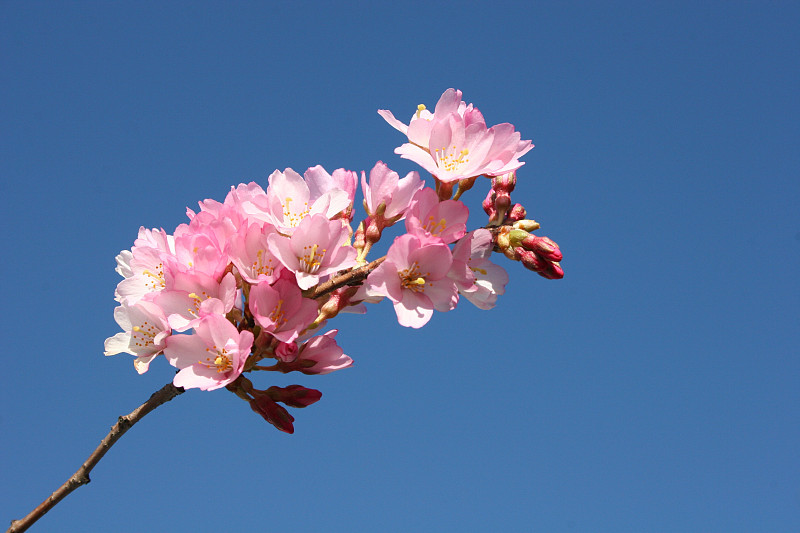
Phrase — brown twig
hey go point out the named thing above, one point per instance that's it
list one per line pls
(81, 477)
(350, 277)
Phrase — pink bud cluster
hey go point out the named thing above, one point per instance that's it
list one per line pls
(258, 276)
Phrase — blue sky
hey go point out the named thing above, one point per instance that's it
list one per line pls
(654, 388)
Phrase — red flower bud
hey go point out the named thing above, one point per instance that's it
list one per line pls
(545, 268)
(553, 271)
(529, 259)
(517, 213)
(543, 246)
(273, 413)
(294, 395)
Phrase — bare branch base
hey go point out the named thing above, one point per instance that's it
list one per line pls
(81, 477)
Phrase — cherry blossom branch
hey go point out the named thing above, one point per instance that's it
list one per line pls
(357, 275)
(167, 393)
(81, 477)
(350, 277)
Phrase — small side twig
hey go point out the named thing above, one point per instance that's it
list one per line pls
(81, 477)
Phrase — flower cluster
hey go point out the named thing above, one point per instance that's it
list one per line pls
(258, 276)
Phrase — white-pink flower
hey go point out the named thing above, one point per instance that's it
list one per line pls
(478, 279)
(145, 331)
(386, 188)
(418, 130)
(143, 265)
(211, 357)
(289, 201)
(454, 143)
(320, 182)
(316, 249)
(414, 277)
(317, 355)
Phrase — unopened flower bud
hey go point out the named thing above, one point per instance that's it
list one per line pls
(529, 259)
(287, 351)
(527, 225)
(503, 241)
(358, 238)
(517, 212)
(294, 395)
(273, 413)
(338, 300)
(517, 236)
(532, 261)
(553, 271)
(543, 246)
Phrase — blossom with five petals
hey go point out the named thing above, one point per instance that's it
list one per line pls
(454, 143)
(446, 220)
(385, 187)
(414, 278)
(290, 201)
(144, 332)
(281, 310)
(315, 250)
(211, 357)
(478, 279)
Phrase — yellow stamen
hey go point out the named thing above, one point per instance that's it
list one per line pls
(412, 279)
(312, 259)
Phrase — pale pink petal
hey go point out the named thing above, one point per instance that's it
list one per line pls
(414, 311)
(393, 122)
(448, 102)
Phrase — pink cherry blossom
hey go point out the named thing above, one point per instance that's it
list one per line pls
(198, 249)
(419, 129)
(324, 353)
(315, 250)
(190, 296)
(289, 201)
(386, 188)
(250, 253)
(320, 182)
(478, 279)
(414, 277)
(145, 330)
(317, 355)
(281, 310)
(211, 357)
(446, 220)
(143, 266)
(454, 143)
(250, 201)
